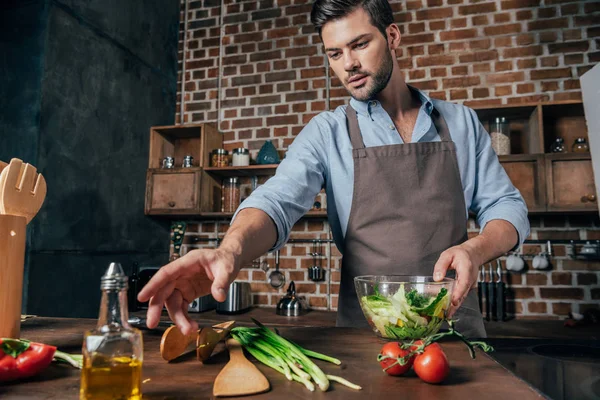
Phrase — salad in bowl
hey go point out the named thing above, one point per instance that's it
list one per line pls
(403, 307)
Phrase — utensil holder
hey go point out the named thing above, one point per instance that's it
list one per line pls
(12, 261)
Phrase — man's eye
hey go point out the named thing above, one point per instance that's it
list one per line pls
(334, 56)
(361, 45)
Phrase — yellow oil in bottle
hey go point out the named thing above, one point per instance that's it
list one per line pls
(116, 378)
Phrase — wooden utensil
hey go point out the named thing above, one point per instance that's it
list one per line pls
(22, 190)
(174, 343)
(12, 260)
(239, 376)
(209, 337)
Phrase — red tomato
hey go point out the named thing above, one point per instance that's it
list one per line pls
(393, 351)
(432, 365)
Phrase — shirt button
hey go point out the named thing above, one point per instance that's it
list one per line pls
(373, 103)
(391, 126)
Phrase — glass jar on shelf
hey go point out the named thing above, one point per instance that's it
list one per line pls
(558, 146)
(500, 135)
(241, 157)
(580, 146)
(231, 195)
(219, 158)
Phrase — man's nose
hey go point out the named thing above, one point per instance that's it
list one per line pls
(350, 62)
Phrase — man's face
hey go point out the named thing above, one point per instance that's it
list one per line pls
(358, 54)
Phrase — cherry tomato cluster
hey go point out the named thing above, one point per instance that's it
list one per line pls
(430, 362)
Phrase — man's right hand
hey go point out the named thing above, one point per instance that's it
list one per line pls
(177, 284)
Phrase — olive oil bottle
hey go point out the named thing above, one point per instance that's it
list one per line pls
(113, 352)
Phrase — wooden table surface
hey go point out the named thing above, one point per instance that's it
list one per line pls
(188, 379)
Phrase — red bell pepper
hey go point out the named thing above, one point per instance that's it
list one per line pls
(22, 358)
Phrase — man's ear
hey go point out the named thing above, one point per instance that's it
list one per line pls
(393, 36)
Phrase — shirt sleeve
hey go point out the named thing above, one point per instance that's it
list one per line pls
(291, 192)
(495, 197)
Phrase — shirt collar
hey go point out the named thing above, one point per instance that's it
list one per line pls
(365, 107)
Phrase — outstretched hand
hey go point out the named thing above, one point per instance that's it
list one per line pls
(177, 284)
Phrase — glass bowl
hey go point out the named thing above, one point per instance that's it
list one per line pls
(403, 307)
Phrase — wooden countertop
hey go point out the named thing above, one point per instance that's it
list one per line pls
(188, 379)
(515, 328)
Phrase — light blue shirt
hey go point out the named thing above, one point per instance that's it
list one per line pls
(321, 156)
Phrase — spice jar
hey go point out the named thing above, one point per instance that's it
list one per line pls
(188, 161)
(500, 135)
(168, 162)
(219, 158)
(580, 146)
(231, 194)
(558, 146)
(241, 157)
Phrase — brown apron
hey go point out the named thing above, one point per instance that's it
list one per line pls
(407, 208)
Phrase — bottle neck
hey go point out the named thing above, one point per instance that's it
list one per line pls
(113, 309)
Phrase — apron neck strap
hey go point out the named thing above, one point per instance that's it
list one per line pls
(440, 125)
(356, 136)
(353, 129)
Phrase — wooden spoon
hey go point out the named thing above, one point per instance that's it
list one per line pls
(209, 337)
(174, 343)
(22, 189)
(239, 376)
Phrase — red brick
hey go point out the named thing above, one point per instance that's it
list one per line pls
(548, 37)
(587, 279)
(511, 4)
(480, 44)
(544, 24)
(435, 60)
(458, 94)
(547, 12)
(426, 85)
(481, 68)
(549, 61)
(458, 23)
(579, 265)
(479, 56)
(461, 82)
(481, 92)
(265, 89)
(507, 29)
(501, 18)
(314, 301)
(460, 70)
(528, 99)
(569, 47)
(503, 90)
(438, 72)
(572, 34)
(561, 278)
(525, 51)
(514, 307)
(524, 15)
(479, 8)
(572, 84)
(561, 308)
(480, 20)
(522, 293)
(568, 96)
(437, 25)
(418, 39)
(282, 120)
(508, 77)
(571, 59)
(505, 41)
(434, 13)
(561, 293)
(537, 279)
(537, 307)
(416, 51)
(458, 34)
(502, 66)
(246, 123)
(525, 88)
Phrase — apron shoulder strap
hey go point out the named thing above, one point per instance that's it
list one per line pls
(440, 125)
(353, 129)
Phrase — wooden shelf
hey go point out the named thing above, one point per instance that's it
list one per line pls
(252, 170)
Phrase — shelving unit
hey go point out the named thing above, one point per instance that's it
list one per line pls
(549, 182)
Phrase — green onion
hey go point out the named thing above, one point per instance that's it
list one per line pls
(287, 357)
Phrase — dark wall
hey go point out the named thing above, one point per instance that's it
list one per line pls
(109, 74)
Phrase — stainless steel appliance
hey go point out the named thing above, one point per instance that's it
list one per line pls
(239, 299)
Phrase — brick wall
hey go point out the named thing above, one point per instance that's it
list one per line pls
(257, 70)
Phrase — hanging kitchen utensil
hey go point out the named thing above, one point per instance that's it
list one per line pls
(239, 376)
(209, 337)
(22, 190)
(174, 343)
(316, 272)
(492, 293)
(276, 278)
(486, 296)
(500, 313)
(177, 235)
(292, 305)
(540, 261)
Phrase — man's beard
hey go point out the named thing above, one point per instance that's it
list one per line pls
(380, 80)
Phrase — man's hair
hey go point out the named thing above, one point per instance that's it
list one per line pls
(379, 11)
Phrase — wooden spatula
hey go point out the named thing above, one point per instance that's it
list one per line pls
(239, 376)
(174, 343)
(209, 337)
(22, 189)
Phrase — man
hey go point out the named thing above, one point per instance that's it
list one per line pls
(400, 170)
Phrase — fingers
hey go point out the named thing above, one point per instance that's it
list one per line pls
(177, 308)
(166, 274)
(442, 265)
(223, 276)
(156, 303)
(459, 294)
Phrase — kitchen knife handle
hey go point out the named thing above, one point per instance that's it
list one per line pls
(492, 289)
(487, 300)
(480, 295)
(500, 301)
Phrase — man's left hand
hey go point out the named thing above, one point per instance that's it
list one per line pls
(460, 259)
